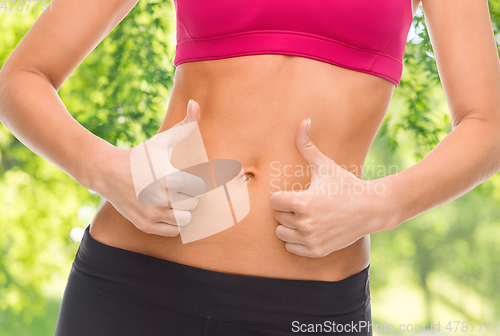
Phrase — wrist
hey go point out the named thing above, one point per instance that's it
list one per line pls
(389, 202)
(97, 166)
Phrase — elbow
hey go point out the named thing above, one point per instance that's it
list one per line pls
(488, 119)
(484, 125)
(12, 81)
(487, 133)
(7, 84)
(15, 68)
(4, 84)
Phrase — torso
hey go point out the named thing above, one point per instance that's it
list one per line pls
(250, 109)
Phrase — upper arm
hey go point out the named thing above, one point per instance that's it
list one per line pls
(60, 39)
(466, 56)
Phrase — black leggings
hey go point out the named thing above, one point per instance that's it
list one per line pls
(112, 291)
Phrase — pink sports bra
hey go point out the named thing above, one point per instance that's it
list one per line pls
(362, 35)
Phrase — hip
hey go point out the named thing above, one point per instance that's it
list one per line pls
(250, 247)
(107, 284)
(250, 110)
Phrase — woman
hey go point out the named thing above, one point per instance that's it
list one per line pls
(274, 87)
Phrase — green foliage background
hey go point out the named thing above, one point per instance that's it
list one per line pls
(443, 265)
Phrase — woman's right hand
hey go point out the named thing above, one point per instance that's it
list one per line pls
(114, 181)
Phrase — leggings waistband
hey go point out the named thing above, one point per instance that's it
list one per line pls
(203, 292)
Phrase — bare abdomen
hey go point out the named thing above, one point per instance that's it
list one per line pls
(250, 109)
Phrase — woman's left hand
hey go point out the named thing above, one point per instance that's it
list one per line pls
(335, 211)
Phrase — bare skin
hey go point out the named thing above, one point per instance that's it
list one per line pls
(250, 109)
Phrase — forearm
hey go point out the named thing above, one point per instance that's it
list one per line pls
(466, 157)
(32, 110)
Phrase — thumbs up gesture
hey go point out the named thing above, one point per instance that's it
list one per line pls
(335, 211)
(145, 188)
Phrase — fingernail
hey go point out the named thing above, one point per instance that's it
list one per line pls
(189, 105)
(308, 126)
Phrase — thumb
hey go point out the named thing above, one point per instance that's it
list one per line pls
(193, 112)
(318, 161)
(182, 130)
